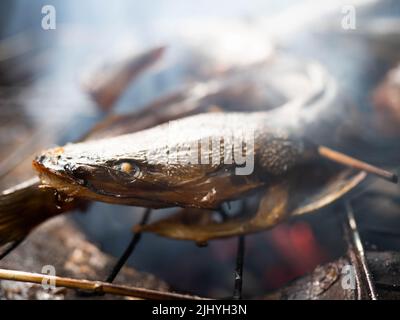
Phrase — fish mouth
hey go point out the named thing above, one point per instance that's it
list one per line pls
(63, 176)
(52, 175)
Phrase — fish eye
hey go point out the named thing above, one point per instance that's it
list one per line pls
(128, 167)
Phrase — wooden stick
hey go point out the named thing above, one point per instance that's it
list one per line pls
(94, 286)
(357, 164)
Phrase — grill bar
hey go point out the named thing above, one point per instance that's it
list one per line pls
(129, 250)
(357, 256)
(237, 293)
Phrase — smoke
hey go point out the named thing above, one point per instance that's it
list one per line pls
(202, 41)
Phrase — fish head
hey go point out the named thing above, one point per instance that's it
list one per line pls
(118, 170)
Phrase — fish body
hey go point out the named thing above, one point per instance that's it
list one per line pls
(199, 161)
(136, 168)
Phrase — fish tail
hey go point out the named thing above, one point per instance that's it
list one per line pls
(25, 206)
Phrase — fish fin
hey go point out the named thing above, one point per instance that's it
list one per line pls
(197, 224)
(304, 192)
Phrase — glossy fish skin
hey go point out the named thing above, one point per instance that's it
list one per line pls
(93, 170)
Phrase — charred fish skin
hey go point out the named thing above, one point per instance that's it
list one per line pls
(153, 166)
